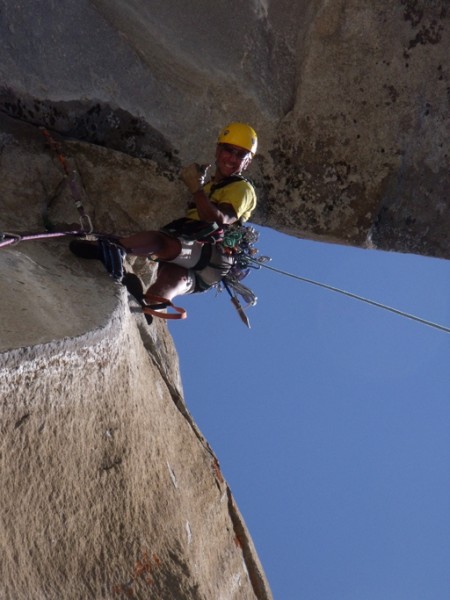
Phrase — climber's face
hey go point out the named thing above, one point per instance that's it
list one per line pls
(231, 160)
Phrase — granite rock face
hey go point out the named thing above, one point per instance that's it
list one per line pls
(108, 488)
(363, 156)
(350, 100)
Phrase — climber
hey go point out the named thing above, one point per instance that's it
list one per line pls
(189, 259)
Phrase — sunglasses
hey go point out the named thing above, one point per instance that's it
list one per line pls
(239, 154)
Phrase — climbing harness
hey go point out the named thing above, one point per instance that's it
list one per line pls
(193, 230)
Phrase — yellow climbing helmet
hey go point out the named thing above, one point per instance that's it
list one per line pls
(239, 134)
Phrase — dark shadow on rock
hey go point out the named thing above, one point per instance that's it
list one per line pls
(94, 122)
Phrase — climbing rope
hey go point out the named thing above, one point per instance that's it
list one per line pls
(356, 297)
(12, 239)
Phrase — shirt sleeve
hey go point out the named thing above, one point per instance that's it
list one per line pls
(240, 195)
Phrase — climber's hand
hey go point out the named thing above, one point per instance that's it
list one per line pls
(193, 176)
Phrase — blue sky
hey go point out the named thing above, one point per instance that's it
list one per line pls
(331, 419)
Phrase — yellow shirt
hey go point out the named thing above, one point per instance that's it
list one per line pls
(240, 194)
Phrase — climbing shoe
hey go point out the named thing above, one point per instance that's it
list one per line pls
(105, 250)
(112, 257)
(134, 286)
(85, 249)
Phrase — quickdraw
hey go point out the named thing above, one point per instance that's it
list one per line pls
(71, 174)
